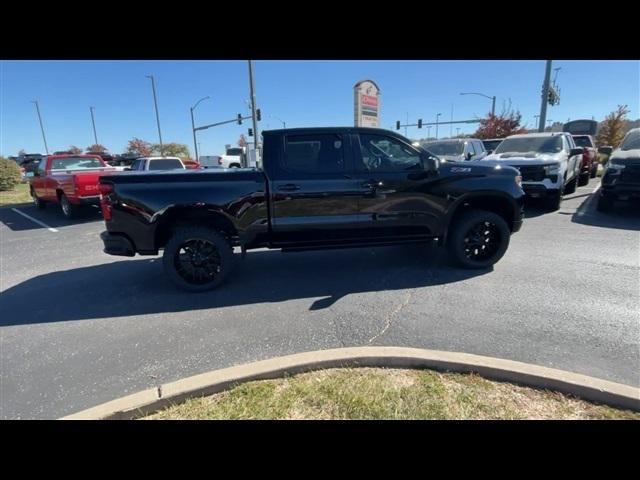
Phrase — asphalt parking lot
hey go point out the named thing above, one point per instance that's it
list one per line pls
(80, 327)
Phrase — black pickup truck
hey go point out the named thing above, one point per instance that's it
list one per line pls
(318, 188)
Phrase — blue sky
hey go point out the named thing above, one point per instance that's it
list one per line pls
(302, 93)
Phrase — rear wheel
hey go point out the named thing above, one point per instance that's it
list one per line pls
(36, 200)
(198, 259)
(584, 179)
(69, 210)
(478, 239)
(571, 186)
(594, 171)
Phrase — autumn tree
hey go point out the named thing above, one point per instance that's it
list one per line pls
(171, 149)
(74, 150)
(137, 146)
(612, 129)
(96, 148)
(500, 126)
(242, 141)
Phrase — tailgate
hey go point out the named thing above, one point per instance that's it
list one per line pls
(86, 183)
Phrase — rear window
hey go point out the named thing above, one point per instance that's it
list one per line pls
(236, 152)
(583, 141)
(76, 163)
(165, 164)
(491, 144)
(531, 144)
(315, 153)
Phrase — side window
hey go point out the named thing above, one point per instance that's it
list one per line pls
(471, 148)
(40, 166)
(314, 154)
(386, 154)
(136, 165)
(479, 147)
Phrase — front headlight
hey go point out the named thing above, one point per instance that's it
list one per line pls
(519, 180)
(552, 169)
(615, 166)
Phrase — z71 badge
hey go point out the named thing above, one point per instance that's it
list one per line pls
(460, 169)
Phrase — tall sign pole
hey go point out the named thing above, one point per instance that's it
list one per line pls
(93, 122)
(254, 118)
(545, 97)
(155, 102)
(46, 148)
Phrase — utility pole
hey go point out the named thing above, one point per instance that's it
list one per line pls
(451, 125)
(46, 149)
(437, 118)
(193, 126)
(155, 102)
(545, 97)
(428, 130)
(93, 122)
(256, 134)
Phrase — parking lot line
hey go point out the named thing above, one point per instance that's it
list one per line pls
(35, 220)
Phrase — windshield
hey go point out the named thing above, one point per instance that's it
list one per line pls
(165, 164)
(631, 141)
(445, 148)
(76, 163)
(491, 144)
(583, 141)
(531, 144)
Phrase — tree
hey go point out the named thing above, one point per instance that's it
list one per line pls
(9, 174)
(137, 146)
(612, 129)
(500, 126)
(74, 150)
(171, 149)
(242, 141)
(96, 148)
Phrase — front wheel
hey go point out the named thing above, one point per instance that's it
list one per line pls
(594, 172)
(571, 186)
(584, 179)
(36, 200)
(197, 259)
(478, 239)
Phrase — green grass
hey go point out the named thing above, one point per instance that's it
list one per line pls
(19, 195)
(369, 393)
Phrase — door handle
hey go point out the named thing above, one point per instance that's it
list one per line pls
(289, 187)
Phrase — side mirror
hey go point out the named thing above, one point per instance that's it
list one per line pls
(605, 150)
(489, 152)
(468, 156)
(430, 163)
(575, 151)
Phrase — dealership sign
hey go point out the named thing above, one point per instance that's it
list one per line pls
(366, 96)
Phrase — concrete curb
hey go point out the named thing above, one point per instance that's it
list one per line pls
(582, 386)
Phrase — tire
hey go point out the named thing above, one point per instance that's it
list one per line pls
(553, 203)
(69, 210)
(605, 204)
(40, 204)
(234, 165)
(594, 172)
(571, 186)
(584, 179)
(216, 259)
(472, 224)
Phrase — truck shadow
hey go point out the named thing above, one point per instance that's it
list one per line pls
(138, 287)
(625, 216)
(51, 216)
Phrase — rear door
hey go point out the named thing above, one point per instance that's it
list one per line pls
(314, 198)
(395, 202)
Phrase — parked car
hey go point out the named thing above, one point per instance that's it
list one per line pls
(548, 162)
(157, 163)
(319, 188)
(491, 144)
(589, 167)
(621, 177)
(211, 161)
(191, 164)
(233, 158)
(69, 180)
(457, 149)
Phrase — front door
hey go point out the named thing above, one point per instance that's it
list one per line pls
(395, 202)
(314, 199)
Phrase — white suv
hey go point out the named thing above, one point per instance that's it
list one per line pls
(156, 163)
(548, 162)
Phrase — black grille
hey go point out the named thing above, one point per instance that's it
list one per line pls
(631, 174)
(531, 173)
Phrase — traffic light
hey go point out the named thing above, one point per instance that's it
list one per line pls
(239, 119)
(419, 123)
(251, 132)
(258, 115)
(398, 125)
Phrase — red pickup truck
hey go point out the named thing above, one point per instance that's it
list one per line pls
(70, 180)
(589, 167)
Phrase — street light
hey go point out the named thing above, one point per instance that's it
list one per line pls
(93, 122)
(493, 100)
(155, 102)
(46, 148)
(437, 118)
(193, 126)
(284, 125)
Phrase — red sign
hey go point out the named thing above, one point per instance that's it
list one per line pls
(369, 100)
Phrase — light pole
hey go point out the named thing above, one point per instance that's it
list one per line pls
(457, 131)
(493, 100)
(428, 130)
(155, 102)
(193, 126)
(284, 125)
(46, 148)
(256, 135)
(93, 122)
(536, 119)
(545, 96)
(437, 119)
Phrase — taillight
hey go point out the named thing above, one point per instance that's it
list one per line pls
(105, 202)
(220, 161)
(585, 156)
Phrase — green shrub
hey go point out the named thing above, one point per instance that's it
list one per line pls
(10, 174)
